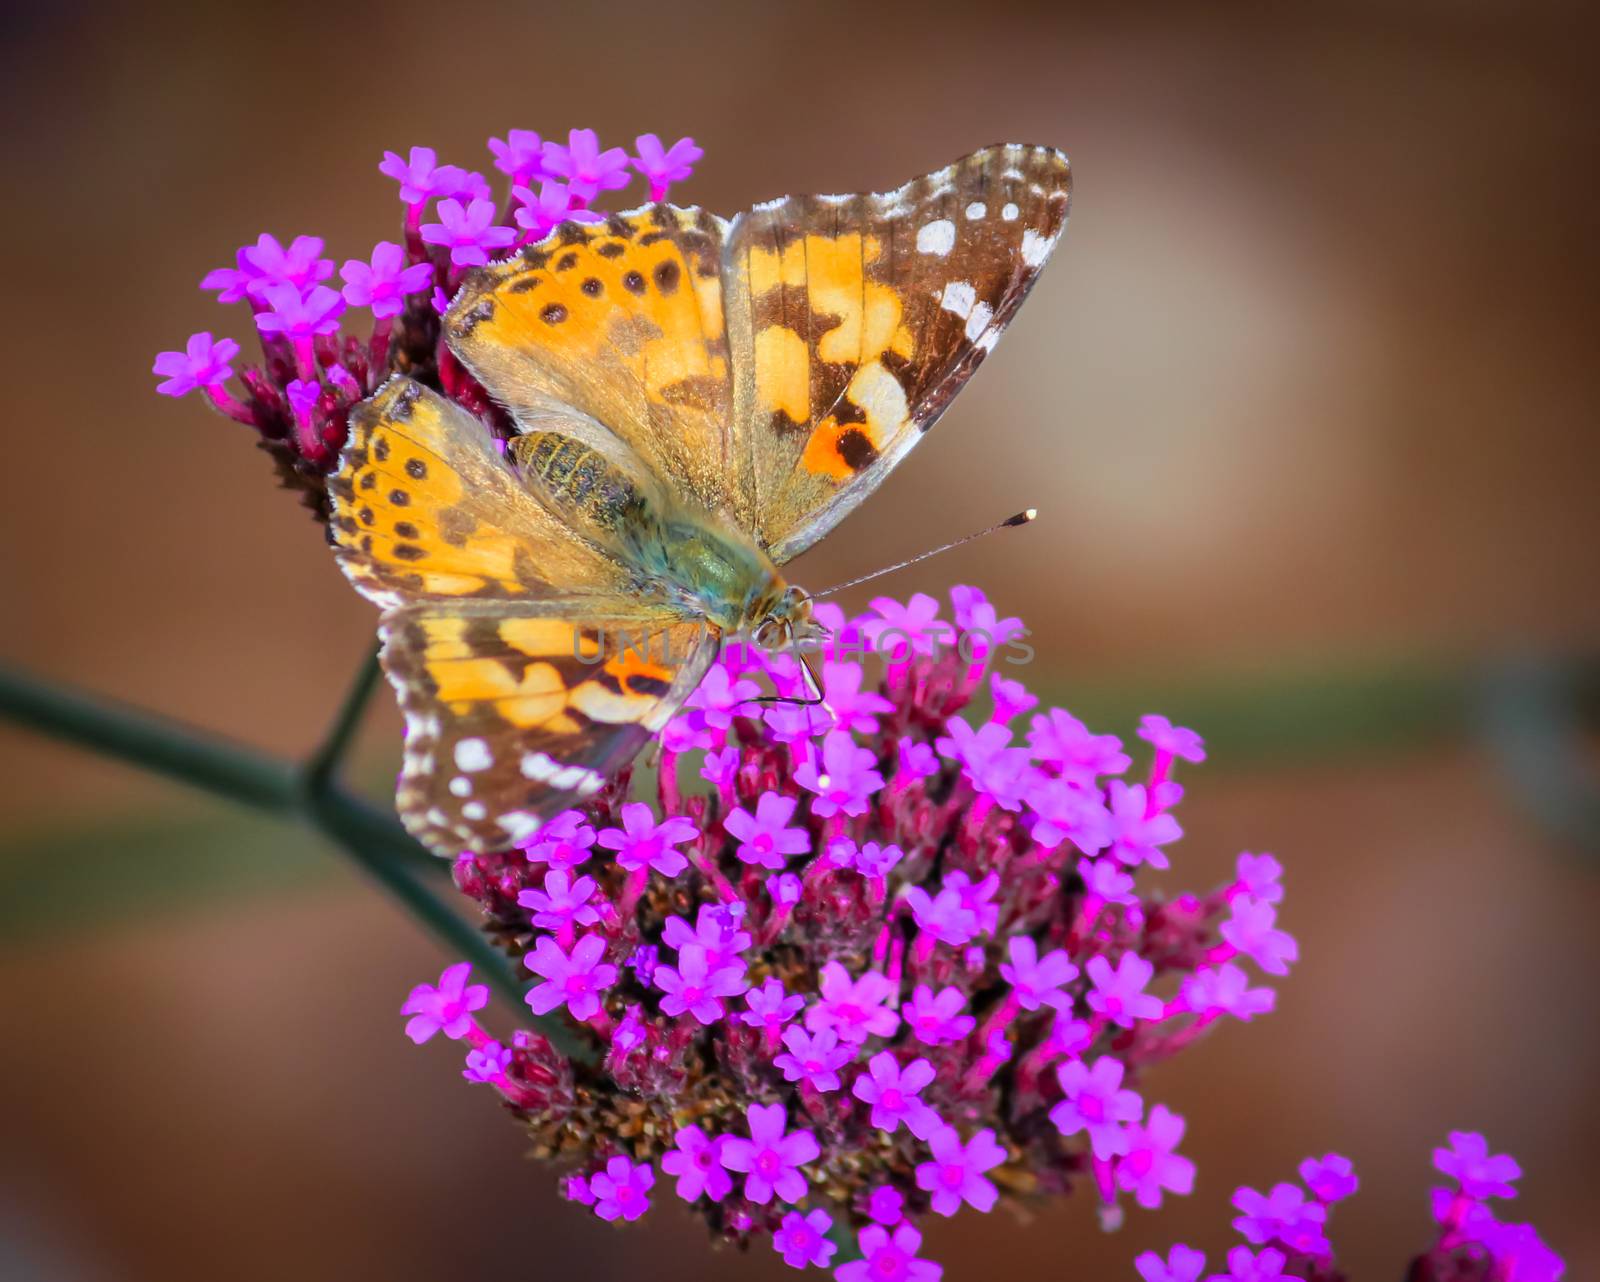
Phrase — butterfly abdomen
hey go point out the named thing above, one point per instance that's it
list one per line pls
(577, 481)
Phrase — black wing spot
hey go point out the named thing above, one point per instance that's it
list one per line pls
(633, 282)
(416, 469)
(553, 314)
(399, 498)
(667, 277)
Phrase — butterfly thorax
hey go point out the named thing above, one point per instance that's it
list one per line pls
(687, 557)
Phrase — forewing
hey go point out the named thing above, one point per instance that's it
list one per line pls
(623, 321)
(425, 508)
(514, 714)
(853, 321)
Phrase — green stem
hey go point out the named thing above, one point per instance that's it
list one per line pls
(261, 782)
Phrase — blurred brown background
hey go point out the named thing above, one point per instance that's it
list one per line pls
(1307, 399)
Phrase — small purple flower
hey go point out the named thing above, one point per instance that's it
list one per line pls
(468, 231)
(540, 214)
(622, 1190)
(718, 928)
(1106, 879)
(1118, 993)
(771, 1006)
(874, 861)
(1150, 1166)
(1480, 1174)
(1245, 1265)
(853, 708)
(420, 175)
(663, 166)
(1064, 812)
(1168, 738)
(894, 1093)
(1037, 981)
(630, 1033)
(576, 980)
(696, 1159)
(917, 760)
(977, 896)
(694, 986)
(562, 903)
(886, 1205)
(900, 631)
(298, 316)
(383, 283)
(303, 396)
(643, 962)
(587, 169)
(1096, 1103)
(813, 1058)
(846, 779)
(854, 1009)
(1261, 876)
(943, 916)
(1331, 1178)
(520, 154)
(445, 1007)
(1011, 698)
(938, 1021)
(1226, 990)
(721, 697)
(988, 762)
(562, 843)
(1137, 837)
(488, 1063)
(956, 1173)
(772, 1157)
(975, 616)
(763, 838)
(204, 362)
(803, 1239)
(1519, 1253)
(721, 769)
(1253, 931)
(1183, 1264)
(1064, 744)
(642, 843)
(887, 1258)
(1283, 1215)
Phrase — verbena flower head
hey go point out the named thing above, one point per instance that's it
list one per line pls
(836, 978)
(312, 338)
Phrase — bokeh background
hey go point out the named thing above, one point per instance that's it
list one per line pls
(1308, 400)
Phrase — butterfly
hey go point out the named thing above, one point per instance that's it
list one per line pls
(696, 402)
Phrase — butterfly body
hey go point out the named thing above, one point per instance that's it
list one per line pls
(696, 401)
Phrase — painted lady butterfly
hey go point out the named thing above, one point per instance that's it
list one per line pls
(698, 401)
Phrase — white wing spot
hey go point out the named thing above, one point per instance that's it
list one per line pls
(958, 297)
(977, 209)
(520, 825)
(978, 321)
(1034, 247)
(475, 810)
(1009, 212)
(937, 237)
(461, 786)
(473, 754)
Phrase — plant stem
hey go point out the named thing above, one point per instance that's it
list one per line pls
(265, 783)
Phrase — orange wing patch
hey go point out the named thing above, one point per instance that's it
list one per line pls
(423, 506)
(621, 320)
(511, 715)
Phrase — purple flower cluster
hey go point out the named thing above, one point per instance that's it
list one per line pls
(885, 959)
(316, 365)
(1285, 1228)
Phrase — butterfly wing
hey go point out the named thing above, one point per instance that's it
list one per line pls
(526, 665)
(515, 712)
(853, 321)
(425, 507)
(621, 320)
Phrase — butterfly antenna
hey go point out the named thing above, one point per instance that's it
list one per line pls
(1021, 518)
(811, 679)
